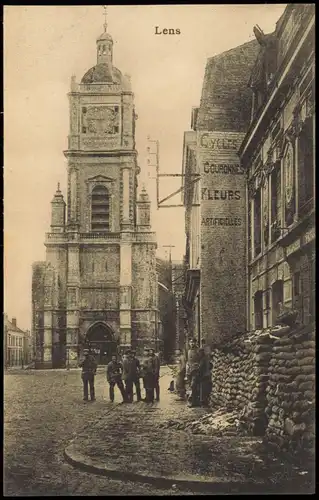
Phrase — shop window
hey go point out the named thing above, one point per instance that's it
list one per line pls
(100, 209)
(258, 310)
(275, 202)
(257, 222)
(277, 299)
(306, 167)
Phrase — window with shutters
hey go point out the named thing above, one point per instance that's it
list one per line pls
(297, 295)
(307, 279)
(100, 209)
(249, 232)
(275, 202)
(258, 310)
(277, 299)
(257, 222)
(306, 167)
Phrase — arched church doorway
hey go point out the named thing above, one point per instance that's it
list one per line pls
(100, 340)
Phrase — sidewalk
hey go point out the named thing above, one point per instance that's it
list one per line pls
(132, 443)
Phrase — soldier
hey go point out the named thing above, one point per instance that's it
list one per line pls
(136, 375)
(192, 372)
(131, 374)
(148, 368)
(180, 376)
(157, 365)
(89, 367)
(114, 372)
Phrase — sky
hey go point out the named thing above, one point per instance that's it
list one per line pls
(43, 47)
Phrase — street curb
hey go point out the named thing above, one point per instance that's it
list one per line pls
(74, 457)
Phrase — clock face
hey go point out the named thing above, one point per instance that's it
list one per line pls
(288, 169)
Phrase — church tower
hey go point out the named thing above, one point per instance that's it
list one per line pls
(99, 281)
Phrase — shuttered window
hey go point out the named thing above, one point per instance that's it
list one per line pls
(257, 222)
(100, 209)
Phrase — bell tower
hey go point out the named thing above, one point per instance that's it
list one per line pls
(101, 254)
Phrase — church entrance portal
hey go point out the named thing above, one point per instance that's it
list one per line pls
(100, 340)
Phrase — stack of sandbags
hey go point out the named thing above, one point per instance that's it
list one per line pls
(240, 377)
(291, 391)
(222, 378)
(252, 417)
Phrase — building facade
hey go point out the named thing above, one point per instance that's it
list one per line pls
(178, 287)
(191, 200)
(17, 345)
(98, 286)
(278, 155)
(214, 199)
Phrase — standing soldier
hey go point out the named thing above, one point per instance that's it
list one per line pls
(89, 367)
(180, 376)
(192, 372)
(136, 375)
(149, 376)
(131, 374)
(114, 372)
(157, 365)
(126, 363)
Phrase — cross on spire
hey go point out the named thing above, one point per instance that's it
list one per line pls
(105, 16)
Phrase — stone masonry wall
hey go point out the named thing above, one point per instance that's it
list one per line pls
(269, 378)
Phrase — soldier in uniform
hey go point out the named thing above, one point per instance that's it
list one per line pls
(114, 372)
(136, 375)
(131, 374)
(148, 370)
(181, 374)
(89, 367)
(157, 365)
(192, 372)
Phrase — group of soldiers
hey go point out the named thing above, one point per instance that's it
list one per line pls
(193, 379)
(124, 372)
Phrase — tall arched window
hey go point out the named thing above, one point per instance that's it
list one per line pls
(100, 209)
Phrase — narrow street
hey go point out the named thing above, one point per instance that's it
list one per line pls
(43, 411)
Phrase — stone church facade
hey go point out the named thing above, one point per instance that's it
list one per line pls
(98, 286)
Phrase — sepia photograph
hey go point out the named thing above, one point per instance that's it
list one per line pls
(159, 250)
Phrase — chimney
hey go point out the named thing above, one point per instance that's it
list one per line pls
(14, 322)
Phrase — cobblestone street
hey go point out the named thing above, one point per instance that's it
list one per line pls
(45, 416)
(43, 411)
(144, 444)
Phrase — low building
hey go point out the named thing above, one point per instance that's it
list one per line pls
(17, 344)
(278, 154)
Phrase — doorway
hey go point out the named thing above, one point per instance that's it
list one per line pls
(100, 340)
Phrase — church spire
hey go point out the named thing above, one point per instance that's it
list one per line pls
(105, 17)
(105, 44)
